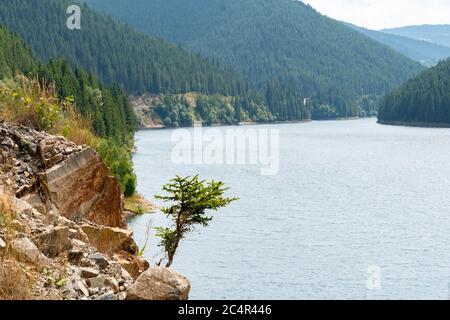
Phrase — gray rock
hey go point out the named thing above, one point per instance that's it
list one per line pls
(32, 149)
(107, 296)
(159, 284)
(96, 282)
(124, 275)
(93, 291)
(2, 244)
(69, 150)
(86, 263)
(89, 272)
(8, 142)
(26, 251)
(54, 241)
(122, 296)
(69, 294)
(113, 284)
(81, 288)
(99, 260)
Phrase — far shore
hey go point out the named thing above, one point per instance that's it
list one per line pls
(415, 124)
(250, 123)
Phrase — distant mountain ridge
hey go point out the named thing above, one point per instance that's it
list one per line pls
(427, 53)
(438, 34)
(277, 41)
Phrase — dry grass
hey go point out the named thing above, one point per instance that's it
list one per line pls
(15, 284)
(33, 103)
(78, 129)
(6, 216)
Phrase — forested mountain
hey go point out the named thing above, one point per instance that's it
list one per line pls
(109, 109)
(276, 40)
(140, 63)
(113, 51)
(424, 100)
(425, 52)
(15, 56)
(439, 34)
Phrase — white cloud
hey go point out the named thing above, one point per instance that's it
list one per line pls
(379, 14)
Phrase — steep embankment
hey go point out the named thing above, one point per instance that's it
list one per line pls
(422, 101)
(279, 43)
(62, 230)
(71, 102)
(63, 234)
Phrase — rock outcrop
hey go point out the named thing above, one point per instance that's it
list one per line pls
(108, 240)
(62, 221)
(160, 284)
(81, 187)
(52, 173)
(26, 251)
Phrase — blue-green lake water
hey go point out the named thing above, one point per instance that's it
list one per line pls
(348, 195)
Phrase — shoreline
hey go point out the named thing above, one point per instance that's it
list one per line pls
(241, 124)
(161, 127)
(137, 205)
(429, 125)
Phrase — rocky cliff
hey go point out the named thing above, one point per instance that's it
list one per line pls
(63, 234)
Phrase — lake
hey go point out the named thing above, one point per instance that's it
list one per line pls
(357, 210)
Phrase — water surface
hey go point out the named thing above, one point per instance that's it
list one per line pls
(349, 195)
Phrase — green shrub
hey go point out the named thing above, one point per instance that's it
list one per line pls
(118, 158)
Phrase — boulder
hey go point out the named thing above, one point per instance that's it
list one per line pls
(89, 272)
(159, 283)
(133, 265)
(54, 241)
(110, 240)
(96, 282)
(81, 187)
(99, 260)
(74, 229)
(26, 251)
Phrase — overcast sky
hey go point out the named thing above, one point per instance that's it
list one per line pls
(379, 14)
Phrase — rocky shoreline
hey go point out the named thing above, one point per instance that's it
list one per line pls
(63, 229)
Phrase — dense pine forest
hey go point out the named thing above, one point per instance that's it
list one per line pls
(107, 111)
(141, 64)
(424, 100)
(15, 56)
(114, 52)
(280, 41)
